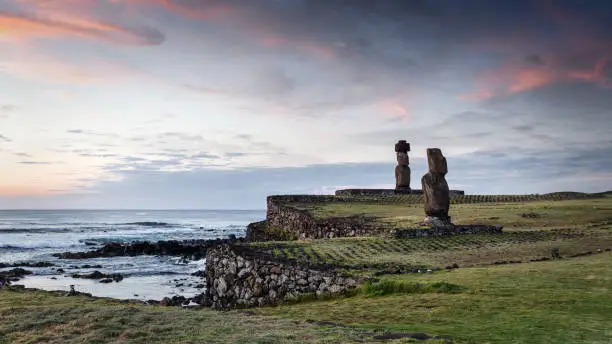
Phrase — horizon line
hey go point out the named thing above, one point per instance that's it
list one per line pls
(127, 209)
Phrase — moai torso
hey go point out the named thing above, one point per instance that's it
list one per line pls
(435, 188)
(402, 170)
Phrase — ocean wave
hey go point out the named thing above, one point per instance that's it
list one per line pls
(108, 227)
(150, 224)
(153, 272)
(35, 230)
(46, 223)
(56, 229)
(37, 245)
(103, 228)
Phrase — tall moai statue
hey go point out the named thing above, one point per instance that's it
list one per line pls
(435, 189)
(402, 170)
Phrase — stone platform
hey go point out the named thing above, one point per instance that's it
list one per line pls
(447, 231)
(384, 192)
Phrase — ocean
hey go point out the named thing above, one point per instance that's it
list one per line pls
(34, 235)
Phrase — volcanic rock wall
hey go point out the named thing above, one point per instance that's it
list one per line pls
(284, 222)
(388, 192)
(238, 278)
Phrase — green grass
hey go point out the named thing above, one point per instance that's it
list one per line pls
(388, 287)
(44, 317)
(564, 301)
(567, 301)
(550, 214)
(439, 252)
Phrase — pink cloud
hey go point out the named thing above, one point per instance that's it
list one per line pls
(394, 108)
(71, 18)
(579, 39)
(512, 79)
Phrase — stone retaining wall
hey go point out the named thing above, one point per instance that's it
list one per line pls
(447, 231)
(414, 198)
(376, 192)
(286, 217)
(237, 278)
(285, 222)
(387, 192)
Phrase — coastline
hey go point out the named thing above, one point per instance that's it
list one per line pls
(154, 254)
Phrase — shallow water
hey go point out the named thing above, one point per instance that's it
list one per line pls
(154, 287)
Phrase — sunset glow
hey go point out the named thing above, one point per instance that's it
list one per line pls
(115, 98)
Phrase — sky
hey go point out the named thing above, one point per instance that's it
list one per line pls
(200, 104)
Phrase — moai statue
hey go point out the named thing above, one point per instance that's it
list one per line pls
(435, 190)
(402, 170)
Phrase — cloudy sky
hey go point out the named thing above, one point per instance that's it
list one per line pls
(216, 104)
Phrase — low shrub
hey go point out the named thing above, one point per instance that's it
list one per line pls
(387, 287)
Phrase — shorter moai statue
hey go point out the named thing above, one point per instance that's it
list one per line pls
(402, 170)
(435, 190)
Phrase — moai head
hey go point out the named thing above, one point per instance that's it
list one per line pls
(436, 161)
(402, 159)
(401, 150)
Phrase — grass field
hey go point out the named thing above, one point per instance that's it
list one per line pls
(44, 317)
(566, 300)
(512, 215)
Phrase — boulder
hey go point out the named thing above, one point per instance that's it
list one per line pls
(98, 275)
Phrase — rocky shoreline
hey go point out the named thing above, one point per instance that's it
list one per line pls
(188, 249)
(13, 275)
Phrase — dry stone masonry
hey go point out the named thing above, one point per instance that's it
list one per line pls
(446, 231)
(286, 223)
(386, 192)
(237, 279)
